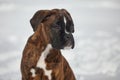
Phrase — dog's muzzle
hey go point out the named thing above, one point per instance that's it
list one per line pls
(69, 41)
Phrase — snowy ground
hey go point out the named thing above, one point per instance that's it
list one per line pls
(96, 55)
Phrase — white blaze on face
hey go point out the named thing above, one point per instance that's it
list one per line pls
(65, 25)
(65, 21)
(41, 62)
(66, 47)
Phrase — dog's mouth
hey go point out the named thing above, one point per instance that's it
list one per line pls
(69, 42)
(69, 46)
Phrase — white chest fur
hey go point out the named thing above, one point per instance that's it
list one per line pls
(41, 62)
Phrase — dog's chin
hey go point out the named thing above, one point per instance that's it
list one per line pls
(68, 47)
(65, 47)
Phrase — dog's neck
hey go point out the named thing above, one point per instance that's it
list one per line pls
(40, 39)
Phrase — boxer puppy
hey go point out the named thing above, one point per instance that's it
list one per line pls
(42, 58)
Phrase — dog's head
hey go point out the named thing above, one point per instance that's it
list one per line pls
(59, 26)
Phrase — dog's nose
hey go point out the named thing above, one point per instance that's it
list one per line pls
(67, 36)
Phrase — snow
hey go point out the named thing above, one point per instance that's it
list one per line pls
(96, 55)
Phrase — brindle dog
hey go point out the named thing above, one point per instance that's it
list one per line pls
(42, 58)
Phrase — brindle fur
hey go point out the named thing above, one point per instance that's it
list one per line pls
(36, 44)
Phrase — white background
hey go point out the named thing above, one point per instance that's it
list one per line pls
(96, 55)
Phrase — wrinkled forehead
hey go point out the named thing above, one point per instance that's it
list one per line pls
(62, 17)
(57, 12)
(55, 16)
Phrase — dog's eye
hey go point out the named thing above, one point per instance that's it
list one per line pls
(56, 26)
(58, 23)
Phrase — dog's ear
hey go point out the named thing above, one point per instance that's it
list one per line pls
(69, 21)
(38, 17)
